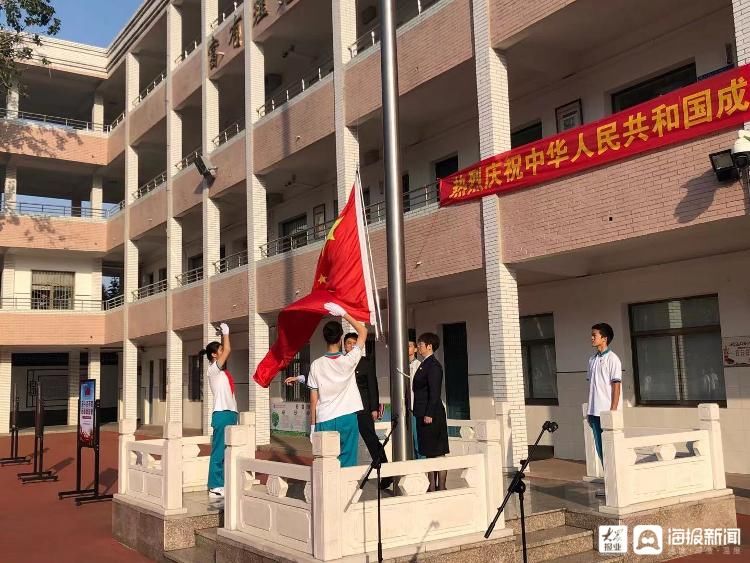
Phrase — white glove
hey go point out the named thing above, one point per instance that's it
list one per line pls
(301, 378)
(312, 429)
(335, 309)
(224, 328)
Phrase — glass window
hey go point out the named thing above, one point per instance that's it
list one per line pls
(162, 379)
(528, 134)
(446, 167)
(677, 351)
(538, 355)
(195, 379)
(653, 87)
(300, 365)
(52, 290)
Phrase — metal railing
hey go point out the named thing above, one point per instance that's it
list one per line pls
(151, 185)
(113, 303)
(150, 289)
(67, 122)
(232, 131)
(26, 302)
(295, 88)
(185, 52)
(114, 210)
(51, 210)
(231, 262)
(223, 16)
(191, 276)
(119, 119)
(298, 239)
(374, 213)
(189, 159)
(413, 199)
(406, 12)
(150, 88)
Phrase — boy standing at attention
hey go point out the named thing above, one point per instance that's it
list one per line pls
(605, 381)
(334, 396)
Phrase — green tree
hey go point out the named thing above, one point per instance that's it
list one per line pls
(22, 23)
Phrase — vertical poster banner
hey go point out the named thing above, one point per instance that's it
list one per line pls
(86, 413)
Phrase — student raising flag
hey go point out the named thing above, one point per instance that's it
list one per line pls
(343, 277)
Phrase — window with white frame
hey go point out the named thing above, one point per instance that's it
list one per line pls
(539, 363)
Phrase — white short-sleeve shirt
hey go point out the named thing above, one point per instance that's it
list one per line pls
(335, 380)
(605, 369)
(223, 397)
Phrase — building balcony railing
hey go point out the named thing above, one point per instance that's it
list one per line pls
(29, 303)
(51, 210)
(413, 199)
(66, 122)
(191, 276)
(188, 159)
(186, 51)
(408, 10)
(374, 213)
(224, 15)
(151, 185)
(119, 119)
(231, 262)
(150, 289)
(150, 88)
(114, 210)
(296, 88)
(232, 131)
(113, 303)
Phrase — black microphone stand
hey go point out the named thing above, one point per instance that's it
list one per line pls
(376, 464)
(518, 486)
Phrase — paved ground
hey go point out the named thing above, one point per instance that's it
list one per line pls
(36, 527)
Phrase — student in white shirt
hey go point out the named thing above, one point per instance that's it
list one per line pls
(225, 407)
(414, 364)
(605, 381)
(334, 396)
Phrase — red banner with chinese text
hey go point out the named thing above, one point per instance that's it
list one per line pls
(709, 105)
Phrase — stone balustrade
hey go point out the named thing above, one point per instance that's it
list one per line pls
(648, 468)
(306, 509)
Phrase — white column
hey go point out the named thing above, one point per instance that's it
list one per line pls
(74, 379)
(347, 144)
(95, 368)
(129, 380)
(709, 421)
(96, 196)
(5, 389)
(257, 235)
(8, 282)
(12, 101)
(97, 111)
(502, 289)
(325, 489)
(741, 12)
(10, 188)
(96, 280)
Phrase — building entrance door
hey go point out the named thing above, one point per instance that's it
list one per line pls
(456, 358)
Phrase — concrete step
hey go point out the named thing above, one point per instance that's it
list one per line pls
(551, 543)
(197, 554)
(206, 537)
(538, 521)
(588, 557)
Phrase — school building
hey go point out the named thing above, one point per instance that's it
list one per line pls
(120, 252)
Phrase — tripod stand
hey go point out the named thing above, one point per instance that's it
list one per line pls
(376, 465)
(14, 458)
(39, 474)
(518, 486)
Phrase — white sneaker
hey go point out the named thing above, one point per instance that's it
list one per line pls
(216, 492)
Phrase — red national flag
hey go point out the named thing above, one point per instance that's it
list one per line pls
(342, 277)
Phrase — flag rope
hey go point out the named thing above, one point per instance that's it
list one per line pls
(378, 317)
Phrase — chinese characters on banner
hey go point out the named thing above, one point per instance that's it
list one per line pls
(86, 405)
(709, 105)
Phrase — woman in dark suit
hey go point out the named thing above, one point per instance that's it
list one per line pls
(432, 424)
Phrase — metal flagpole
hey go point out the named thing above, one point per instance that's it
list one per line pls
(394, 221)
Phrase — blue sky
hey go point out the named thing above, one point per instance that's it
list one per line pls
(95, 22)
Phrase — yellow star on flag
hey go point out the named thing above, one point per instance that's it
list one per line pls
(322, 280)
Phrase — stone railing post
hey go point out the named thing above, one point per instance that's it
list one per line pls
(238, 440)
(326, 501)
(709, 421)
(171, 464)
(594, 469)
(617, 459)
(489, 437)
(247, 419)
(502, 414)
(127, 435)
